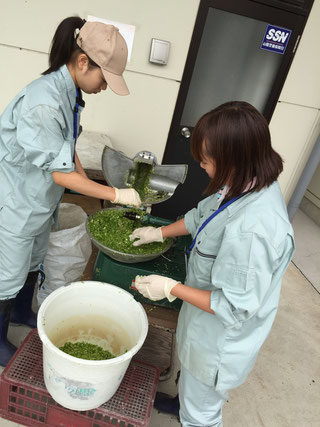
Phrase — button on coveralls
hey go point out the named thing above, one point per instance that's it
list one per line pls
(240, 256)
(36, 139)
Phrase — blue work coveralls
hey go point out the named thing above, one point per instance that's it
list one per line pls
(241, 256)
(36, 139)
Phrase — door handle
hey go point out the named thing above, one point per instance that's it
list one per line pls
(185, 132)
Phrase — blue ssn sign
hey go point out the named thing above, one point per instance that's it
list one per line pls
(275, 39)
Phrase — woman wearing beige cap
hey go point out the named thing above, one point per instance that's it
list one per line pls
(38, 159)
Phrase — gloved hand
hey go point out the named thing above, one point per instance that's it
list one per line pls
(146, 235)
(155, 287)
(127, 196)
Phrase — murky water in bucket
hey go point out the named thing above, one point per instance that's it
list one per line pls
(93, 329)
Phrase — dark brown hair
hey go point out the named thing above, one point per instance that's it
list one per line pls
(63, 46)
(236, 136)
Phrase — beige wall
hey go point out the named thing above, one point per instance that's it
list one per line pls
(295, 124)
(142, 120)
(136, 122)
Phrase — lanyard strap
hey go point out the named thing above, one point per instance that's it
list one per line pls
(212, 216)
(75, 117)
(75, 122)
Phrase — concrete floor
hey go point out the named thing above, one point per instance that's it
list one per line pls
(283, 390)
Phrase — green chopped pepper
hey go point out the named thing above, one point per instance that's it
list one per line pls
(85, 350)
(110, 228)
(140, 181)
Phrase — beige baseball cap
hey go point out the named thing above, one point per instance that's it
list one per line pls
(106, 47)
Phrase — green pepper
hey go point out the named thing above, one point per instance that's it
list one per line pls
(141, 183)
(85, 350)
(110, 228)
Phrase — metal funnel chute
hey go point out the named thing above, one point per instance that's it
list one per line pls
(122, 172)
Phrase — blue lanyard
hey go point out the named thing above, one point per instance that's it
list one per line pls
(75, 122)
(212, 216)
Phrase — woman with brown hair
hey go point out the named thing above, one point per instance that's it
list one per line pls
(242, 245)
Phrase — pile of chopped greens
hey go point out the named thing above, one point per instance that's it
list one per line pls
(85, 350)
(140, 182)
(142, 175)
(112, 229)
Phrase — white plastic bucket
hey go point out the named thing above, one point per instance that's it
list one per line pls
(99, 311)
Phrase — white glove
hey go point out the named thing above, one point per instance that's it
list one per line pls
(155, 287)
(146, 235)
(127, 196)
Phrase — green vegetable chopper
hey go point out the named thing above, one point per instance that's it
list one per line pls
(155, 184)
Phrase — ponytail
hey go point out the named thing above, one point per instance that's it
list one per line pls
(64, 43)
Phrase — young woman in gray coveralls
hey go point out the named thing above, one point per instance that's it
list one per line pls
(243, 243)
(38, 160)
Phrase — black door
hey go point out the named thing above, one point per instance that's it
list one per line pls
(226, 62)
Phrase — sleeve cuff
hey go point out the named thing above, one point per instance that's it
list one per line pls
(189, 221)
(63, 162)
(223, 310)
